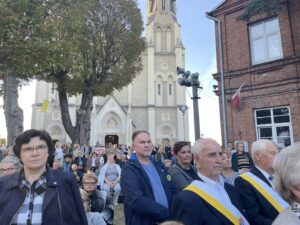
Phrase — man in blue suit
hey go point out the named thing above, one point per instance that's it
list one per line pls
(209, 201)
(256, 187)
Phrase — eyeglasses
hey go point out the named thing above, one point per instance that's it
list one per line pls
(89, 183)
(2, 170)
(39, 148)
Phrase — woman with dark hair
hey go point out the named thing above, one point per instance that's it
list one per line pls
(37, 194)
(182, 172)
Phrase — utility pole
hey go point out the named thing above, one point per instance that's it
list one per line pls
(191, 80)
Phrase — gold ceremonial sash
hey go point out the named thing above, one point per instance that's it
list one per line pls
(264, 192)
(214, 203)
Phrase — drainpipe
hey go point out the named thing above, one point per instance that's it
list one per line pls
(218, 21)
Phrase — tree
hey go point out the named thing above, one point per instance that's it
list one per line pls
(254, 7)
(88, 48)
(13, 113)
(16, 19)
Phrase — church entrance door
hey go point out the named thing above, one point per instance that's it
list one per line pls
(111, 140)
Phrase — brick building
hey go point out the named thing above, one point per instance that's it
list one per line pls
(265, 54)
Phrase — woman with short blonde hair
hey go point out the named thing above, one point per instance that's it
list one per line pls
(287, 182)
(94, 218)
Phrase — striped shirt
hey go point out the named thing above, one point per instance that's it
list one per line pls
(243, 162)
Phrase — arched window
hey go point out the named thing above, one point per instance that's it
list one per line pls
(172, 6)
(170, 91)
(163, 5)
(159, 91)
(169, 39)
(158, 39)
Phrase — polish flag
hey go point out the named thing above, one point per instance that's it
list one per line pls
(236, 97)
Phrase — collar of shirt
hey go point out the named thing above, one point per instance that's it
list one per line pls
(210, 181)
(39, 185)
(266, 174)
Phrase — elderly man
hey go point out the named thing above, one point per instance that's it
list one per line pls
(261, 201)
(145, 184)
(209, 201)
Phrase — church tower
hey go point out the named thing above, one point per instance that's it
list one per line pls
(148, 103)
(165, 52)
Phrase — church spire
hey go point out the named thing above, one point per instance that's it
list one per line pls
(158, 6)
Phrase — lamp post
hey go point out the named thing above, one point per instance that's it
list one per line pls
(183, 109)
(191, 80)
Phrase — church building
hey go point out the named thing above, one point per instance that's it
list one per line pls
(148, 103)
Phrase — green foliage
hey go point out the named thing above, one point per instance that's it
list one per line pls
(271, 7)
(2, 141)
(20, 21)
(76, 44)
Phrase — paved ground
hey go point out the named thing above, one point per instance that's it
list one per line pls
(119, 215)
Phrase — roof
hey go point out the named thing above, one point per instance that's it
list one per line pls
(216, 7)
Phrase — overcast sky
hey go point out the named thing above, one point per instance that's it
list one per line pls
(198, 38)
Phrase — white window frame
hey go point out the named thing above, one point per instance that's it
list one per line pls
(274, 125)
(264, 38)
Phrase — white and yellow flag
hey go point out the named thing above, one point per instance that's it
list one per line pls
(45, 105)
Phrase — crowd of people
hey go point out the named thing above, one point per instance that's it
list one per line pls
(188, 184)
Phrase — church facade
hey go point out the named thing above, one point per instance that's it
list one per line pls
(148, 103)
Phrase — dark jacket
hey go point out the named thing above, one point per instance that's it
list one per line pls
(234, 161)
(101, 203)
(259, 210)
(190, 209)
(140, 206)
(62, 203)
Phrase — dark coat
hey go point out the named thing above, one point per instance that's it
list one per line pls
(259, 210)
(190, 209)
(140, 207)
(62, 203)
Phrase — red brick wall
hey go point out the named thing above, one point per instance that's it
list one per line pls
(268, 85)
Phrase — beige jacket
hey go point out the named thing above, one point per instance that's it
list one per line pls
(286, 217)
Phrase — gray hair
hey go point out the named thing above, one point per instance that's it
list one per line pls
(287, 171)
(260, 146)
(13, 160)
(201, 144)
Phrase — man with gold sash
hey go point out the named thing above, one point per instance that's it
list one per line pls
(209, 201)
(261, 201)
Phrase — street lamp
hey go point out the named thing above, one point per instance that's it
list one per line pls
(183, 109)
(191, 80)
